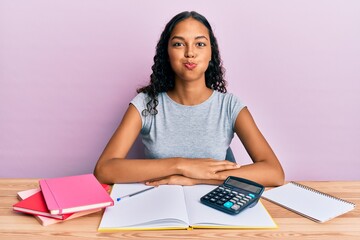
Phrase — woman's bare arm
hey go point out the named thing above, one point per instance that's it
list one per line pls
(265, 169)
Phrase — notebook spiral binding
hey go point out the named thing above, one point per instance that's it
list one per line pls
(321, 193)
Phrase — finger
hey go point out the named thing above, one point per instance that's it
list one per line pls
(225, 163)
(219, 177)
(225, 167)
(158, 182)
(153, 183)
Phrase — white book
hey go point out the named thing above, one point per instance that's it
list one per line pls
(174, 207)
(308, 202)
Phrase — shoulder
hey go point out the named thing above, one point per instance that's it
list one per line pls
(140, 101)
(230, 105)
(140, 97)
(143, 101)
(228, 99)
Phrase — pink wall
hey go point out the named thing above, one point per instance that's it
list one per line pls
(69, 68)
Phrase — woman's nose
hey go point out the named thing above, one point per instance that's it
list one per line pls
(189, 53)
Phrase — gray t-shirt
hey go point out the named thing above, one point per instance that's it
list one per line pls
(201, 131)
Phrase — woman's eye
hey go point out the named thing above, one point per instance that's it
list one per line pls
(201, 44)
(177, 44)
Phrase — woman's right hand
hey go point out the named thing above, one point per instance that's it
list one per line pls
(205, 168)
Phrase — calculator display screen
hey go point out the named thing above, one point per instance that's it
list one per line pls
(245, 186)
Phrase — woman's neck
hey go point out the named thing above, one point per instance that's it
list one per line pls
(190, 95)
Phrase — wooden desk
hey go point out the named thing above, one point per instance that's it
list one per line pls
(291, 226)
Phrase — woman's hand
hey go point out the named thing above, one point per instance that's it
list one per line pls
(173, 180)
(205, 168)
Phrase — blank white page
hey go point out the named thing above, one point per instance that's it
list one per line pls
(308, 202)
(161, 207)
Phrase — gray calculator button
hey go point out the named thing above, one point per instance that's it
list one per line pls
(234, 192)
(233, 201)
(235, 207)
(236, 199)
(241, 194)
(248, 197)
(243, 201)
(240, 203)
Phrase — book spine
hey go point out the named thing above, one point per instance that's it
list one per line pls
(49, 197)
(321, 193)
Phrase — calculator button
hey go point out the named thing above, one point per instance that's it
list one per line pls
(212, 200)
(228, 204)
(251, 195)
(241, 194)
(242, 201)
(233, 201)
(219, 202)
(236, 199)
(235, 207)
(248, 197)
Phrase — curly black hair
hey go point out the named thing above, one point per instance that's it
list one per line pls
(162, 78)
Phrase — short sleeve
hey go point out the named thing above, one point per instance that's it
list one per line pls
(139, 102)
(235, 105)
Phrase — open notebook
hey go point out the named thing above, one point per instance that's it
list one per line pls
(174, 207)
(308, 202)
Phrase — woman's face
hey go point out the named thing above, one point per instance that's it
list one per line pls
(189, 50)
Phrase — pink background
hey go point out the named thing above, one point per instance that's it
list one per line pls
(68, 70)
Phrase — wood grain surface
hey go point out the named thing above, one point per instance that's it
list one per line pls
(15, 225)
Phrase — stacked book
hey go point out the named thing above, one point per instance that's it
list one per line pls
(65, 198)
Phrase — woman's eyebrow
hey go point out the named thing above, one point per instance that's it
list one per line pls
(200, 37)
(183, 39)
(178, 37)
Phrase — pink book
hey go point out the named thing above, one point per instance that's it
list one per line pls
(35, 204)
(45, 221)
(74, 194)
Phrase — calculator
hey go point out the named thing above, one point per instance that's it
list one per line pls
(234, 195)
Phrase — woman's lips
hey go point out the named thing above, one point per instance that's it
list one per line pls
(190, 66)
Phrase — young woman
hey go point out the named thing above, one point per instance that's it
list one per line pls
(187, 119)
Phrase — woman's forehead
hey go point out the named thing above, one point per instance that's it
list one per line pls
(190, 28)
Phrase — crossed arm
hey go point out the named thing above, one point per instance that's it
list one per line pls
(113, 167)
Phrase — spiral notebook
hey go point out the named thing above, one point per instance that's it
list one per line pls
(308, 202)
